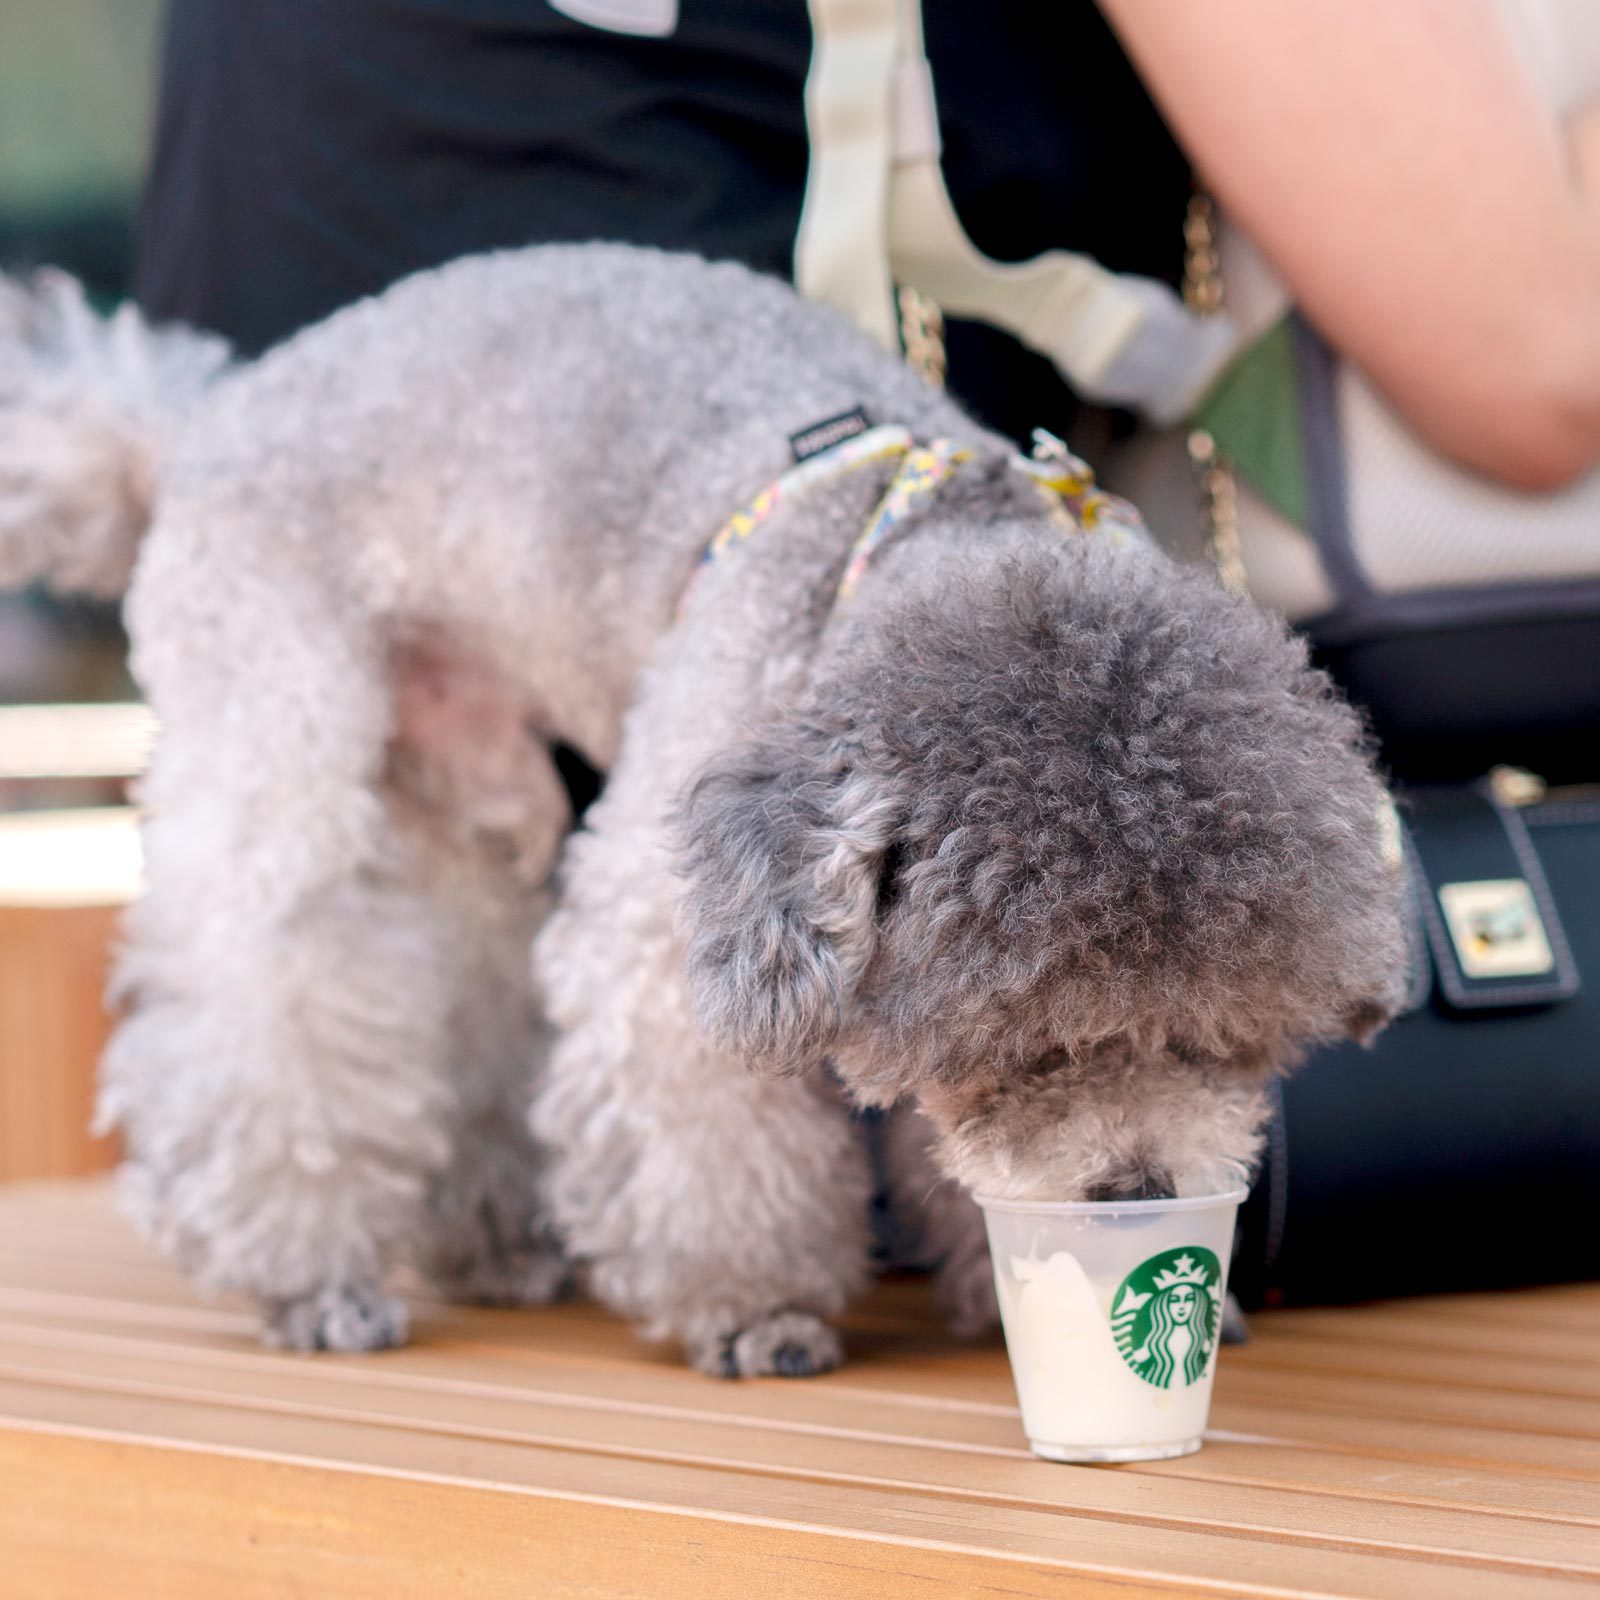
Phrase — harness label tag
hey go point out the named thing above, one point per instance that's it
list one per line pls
(824, 435)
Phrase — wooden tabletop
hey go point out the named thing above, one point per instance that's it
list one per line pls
(149, 1447)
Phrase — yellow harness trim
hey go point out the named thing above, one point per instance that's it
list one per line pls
(1065, 482)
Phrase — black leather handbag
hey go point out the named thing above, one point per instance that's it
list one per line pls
(1461, 1151)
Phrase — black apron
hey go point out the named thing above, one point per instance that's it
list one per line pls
(309, 153)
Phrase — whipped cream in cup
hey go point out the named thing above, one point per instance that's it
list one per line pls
(1112, 1314)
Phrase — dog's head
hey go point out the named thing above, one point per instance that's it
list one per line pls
(1070, 845)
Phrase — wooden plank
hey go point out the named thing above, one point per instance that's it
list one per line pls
(426, 1370)
(1413, 1325)
(1449, 1322)
(924, 1370)
(1467, 1321)
(84, 1201)
(1278, 1418)
(529, 1347)
(1338, 1464)
(1394, 1402)
(52, 973)
(922, 1367)
(1552, 1306)
(895, 1368)
(1470, 1322)
(1513, 1368)
(1305, 1469)
(290, 1387)
(1052, 1543)
(186, 1525)
(827, 1406)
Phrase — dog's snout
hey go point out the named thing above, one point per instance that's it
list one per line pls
(1136, 1186)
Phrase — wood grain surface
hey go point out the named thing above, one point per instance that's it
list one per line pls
(150, 1447)
(52, 1026)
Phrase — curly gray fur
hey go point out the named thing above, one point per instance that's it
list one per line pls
(1038, 833)
(88, 409)
(1056, 814)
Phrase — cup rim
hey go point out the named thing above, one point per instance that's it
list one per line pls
(1110, 1208)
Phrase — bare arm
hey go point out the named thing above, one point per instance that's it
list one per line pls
(1420, 202)
(1583, 141)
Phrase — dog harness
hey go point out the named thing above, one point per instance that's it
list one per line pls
(1065, 482)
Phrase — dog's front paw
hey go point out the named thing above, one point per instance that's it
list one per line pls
(342, 1317)
(787, 1344)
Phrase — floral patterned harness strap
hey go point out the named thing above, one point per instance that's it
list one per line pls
(1066, 483)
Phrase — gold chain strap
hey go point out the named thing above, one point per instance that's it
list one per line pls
(1219, 497)
(1202, 268)
(922, 334)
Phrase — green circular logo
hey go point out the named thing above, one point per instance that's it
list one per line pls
(1165, 1316)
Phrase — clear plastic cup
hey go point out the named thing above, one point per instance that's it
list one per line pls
(1112, 1313)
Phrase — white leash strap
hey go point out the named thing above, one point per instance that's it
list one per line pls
(842, 247)
(877, 209)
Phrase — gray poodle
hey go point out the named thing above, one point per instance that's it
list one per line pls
(1052, 847)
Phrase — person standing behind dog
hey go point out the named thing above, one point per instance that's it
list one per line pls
(1401, 174)
(307, 155)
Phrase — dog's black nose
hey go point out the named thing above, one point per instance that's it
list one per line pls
(1136, 1186)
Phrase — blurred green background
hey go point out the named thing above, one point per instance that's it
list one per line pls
(76, 98)
(77, 95)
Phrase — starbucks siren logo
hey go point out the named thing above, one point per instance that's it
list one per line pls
(1165, 1316)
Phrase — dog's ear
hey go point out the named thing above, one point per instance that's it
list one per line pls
(781, 849)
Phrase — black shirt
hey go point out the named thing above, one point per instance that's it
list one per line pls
(310, 153)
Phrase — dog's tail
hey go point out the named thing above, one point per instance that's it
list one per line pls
(89, 408)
